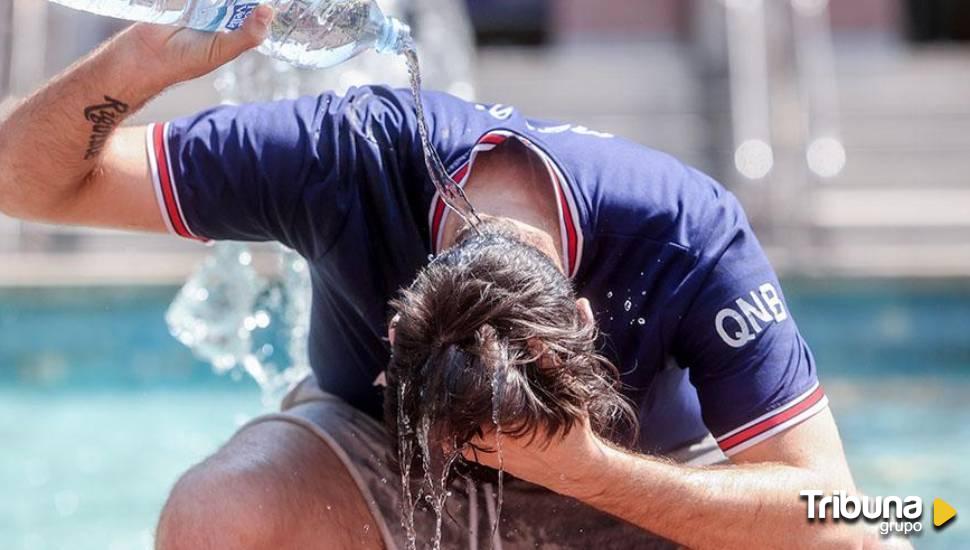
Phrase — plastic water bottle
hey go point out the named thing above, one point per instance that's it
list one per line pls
(306, 33)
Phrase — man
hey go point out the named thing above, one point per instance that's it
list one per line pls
(662, 257)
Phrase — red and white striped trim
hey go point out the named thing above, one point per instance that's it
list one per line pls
(166, 193)
(767, 425)
(570, 231)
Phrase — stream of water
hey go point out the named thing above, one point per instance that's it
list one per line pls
(451, 193)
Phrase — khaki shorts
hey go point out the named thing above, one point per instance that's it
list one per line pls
(531, 517)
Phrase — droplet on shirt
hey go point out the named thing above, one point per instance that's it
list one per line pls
(642, 321)
(609, 294)
(627, 305)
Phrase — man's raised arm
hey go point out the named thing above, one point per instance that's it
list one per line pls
(61, 158)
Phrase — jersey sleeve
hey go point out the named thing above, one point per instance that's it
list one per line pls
(754, 373)
(278, 171)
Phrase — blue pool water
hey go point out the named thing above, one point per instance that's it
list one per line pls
(100, 409)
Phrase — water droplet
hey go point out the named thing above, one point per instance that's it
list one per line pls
(249, 323)
(627, 305)
(430, 257)
(384, 480)
(609, 294)
(329, 507)
(642, 321)
(262, 319)
(643, 293)
(366, 527)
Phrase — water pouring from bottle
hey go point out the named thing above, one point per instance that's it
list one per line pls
(451, 193)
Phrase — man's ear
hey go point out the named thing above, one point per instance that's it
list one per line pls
(585, 311)
(392, 328)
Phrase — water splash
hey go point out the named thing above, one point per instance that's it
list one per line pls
(405, 456)
(239, 321)
(496, 392)
(424, 434)
(436, 485)
(452, 195)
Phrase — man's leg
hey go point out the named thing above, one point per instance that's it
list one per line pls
(273, 485)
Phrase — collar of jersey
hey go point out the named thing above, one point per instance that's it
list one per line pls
(571, 233)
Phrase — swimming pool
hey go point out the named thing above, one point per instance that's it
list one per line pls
(100, 409)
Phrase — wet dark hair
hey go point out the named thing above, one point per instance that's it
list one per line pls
(491, 327)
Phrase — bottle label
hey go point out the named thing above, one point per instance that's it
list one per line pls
(239, 14)
(229, 15)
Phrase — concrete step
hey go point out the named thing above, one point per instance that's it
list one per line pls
(835, 208)
(902, 167)
(885, 259)
(904, 80)
(590, 79)
(907, 131)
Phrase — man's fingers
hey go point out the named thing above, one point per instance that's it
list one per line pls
(230, 45)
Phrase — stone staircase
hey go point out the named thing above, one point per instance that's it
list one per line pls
(902, 204)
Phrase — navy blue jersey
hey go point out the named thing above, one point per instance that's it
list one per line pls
(689, 307)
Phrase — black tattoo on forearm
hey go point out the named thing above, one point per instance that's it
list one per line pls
(105, 117)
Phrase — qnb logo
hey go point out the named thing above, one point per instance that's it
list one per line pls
(750, 315)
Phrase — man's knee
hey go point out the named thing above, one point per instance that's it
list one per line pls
(219, 505)
(274, 485)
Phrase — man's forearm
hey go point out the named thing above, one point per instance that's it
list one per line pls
(53, 140)
(749, 506)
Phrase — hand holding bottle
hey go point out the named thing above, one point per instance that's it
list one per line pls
(177, 54)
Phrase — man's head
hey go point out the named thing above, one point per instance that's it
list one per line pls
(492, 330)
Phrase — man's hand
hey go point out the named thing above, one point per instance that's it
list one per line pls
(560, 463)
(183, 54)
(720, 507)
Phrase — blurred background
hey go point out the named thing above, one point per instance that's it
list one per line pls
(842, 125)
